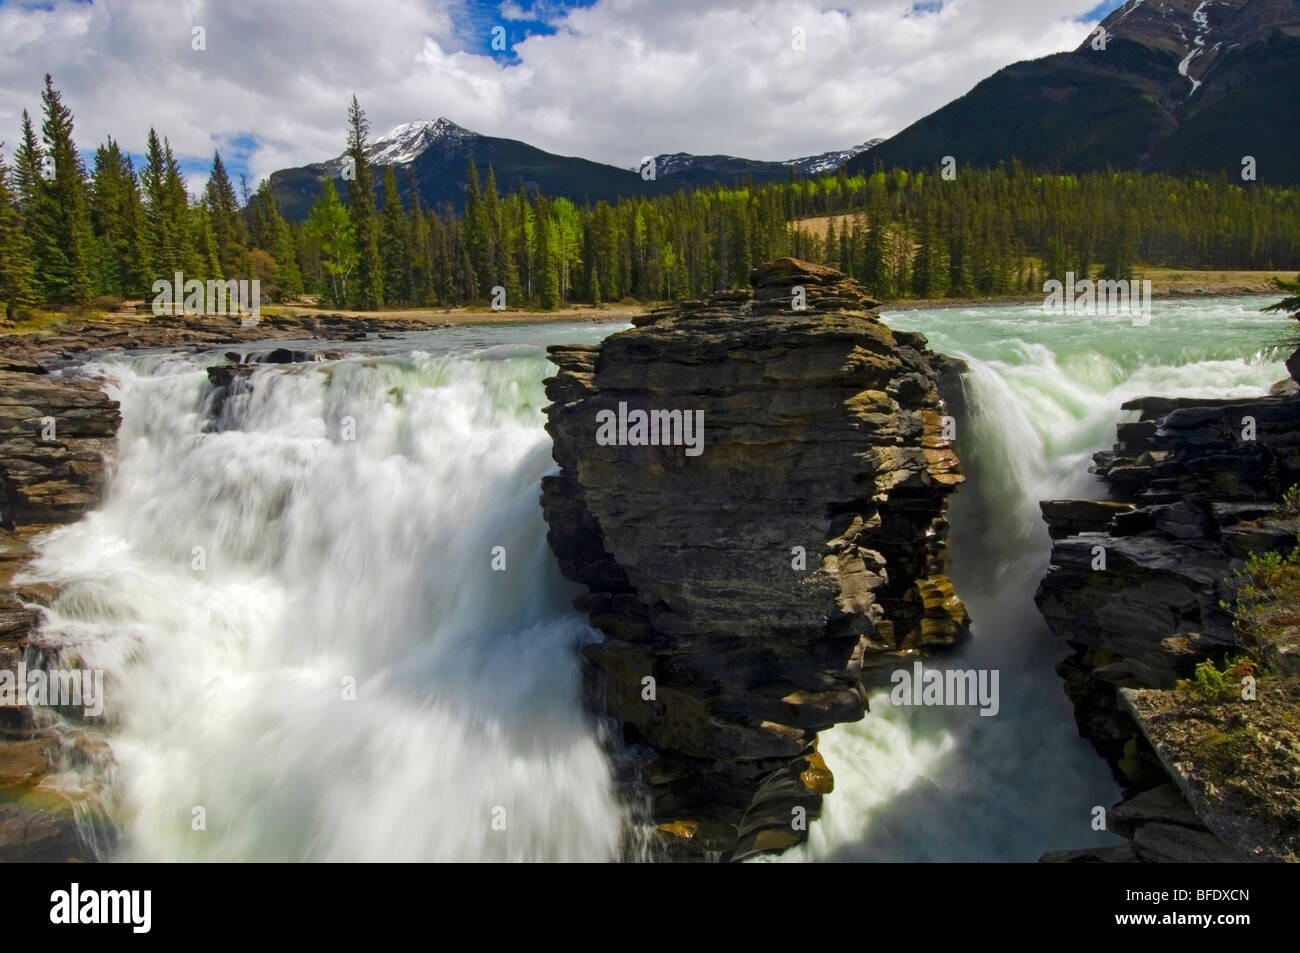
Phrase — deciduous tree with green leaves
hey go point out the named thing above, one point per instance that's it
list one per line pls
(331, 229)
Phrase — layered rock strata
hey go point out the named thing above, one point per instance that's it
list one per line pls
(1138, 586)
(743, 590)
(56, 435)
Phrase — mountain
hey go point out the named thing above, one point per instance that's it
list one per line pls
(438, 151)
(1177, 86)
(682, 167)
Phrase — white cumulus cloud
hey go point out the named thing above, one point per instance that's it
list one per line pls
(618, 80)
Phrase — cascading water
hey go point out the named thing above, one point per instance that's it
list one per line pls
(329, 562)
(1044, 393)
(249, 574)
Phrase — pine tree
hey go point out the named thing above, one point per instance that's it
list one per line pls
(442, 269)
(1123, 248)
(467, 283)
(104, 200)
(546, 257)
(900, 264)
(874, 274)
(169, 225)
(117, 217)
(65, 242)
(17, 269)
(270, 232)
(27, 175)
(162, 228)
(308, 254)
(394, 243)
(923, 264)
(523, 250)
(960, 260)
(206, 252)
(478, 233)
(227, 222)
(1054, 259)
(178, 205)
(369, 284)
(285, 252)
(420, 268)
(499, 228)
(1291, 303)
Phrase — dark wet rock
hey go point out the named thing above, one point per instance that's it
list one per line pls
(1162, 805)
(752, 582)
(54, 435)
(1071, 517)
(1137, 585)
(283, 355)
(1171, 844)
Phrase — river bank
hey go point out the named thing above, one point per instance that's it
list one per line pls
(1167, 283)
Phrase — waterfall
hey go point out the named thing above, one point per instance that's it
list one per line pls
(290, 589)
(304, 636)
(1044, 393)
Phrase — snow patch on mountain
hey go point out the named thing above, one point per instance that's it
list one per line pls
(830, 161)
(1201, 17)
(676, 163)
(670, 164)
(1129, 9)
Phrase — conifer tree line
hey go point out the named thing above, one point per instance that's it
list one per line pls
(987, 232)
(1006, 230)
(69, 235)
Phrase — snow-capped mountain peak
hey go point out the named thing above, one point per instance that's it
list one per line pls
(405, 143)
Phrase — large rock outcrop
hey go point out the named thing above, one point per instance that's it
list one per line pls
(742, 591)
(1138, 586)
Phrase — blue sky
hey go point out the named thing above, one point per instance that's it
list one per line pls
(475, 31)
(1100, 11)
(610, 80)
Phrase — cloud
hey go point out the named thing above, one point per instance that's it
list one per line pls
(616, 80)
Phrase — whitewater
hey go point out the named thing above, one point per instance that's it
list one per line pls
(331, 627)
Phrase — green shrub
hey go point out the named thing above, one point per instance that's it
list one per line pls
(1212, 685)
(1268, 593)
